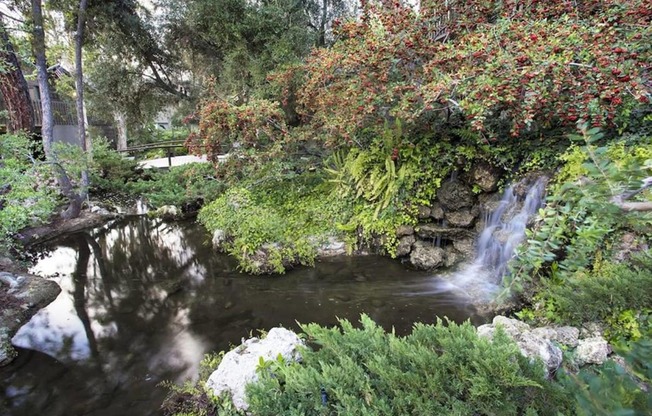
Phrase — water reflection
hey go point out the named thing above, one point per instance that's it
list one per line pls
(143, 301)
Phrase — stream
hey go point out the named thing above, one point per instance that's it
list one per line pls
(143, 300)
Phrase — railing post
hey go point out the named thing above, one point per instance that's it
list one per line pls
(169, 157)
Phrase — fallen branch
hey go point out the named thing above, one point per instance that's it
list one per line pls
(619, 200)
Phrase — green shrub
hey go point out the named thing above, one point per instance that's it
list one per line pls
(25, 198)
(110, 170)
(612, 389)
(437, 370)
(185, 186)
(605, 291)
(290, 217)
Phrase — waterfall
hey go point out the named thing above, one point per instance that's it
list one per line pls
(503, 231)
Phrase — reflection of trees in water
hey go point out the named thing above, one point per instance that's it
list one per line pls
(128, 292)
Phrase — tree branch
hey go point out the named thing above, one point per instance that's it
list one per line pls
(619, 200)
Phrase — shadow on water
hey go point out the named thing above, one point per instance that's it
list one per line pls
(143, 301)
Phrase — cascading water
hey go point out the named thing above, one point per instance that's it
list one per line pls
(504, 230)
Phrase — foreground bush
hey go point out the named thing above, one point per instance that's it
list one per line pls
(437, 370)
(442, 369)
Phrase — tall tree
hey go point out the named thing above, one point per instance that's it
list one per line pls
(47, 126)
(79, 88)
(14, 87)
(38, 46)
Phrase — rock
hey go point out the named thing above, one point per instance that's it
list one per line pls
(512, 327)
(465, 246)
(96, 209)
(219, 238)
(404, 230)
(405, 245)
(454, 195)
(27, 296)
(537, 347)
(436, 211)
(568, 335)
(429, 231)
(423, 212)
(262, 262)
(331, 248)
(486, 331)
(485, 176)
(452, 256)
(461, 218)
(168, 212)
(238, 367)
(592, 351)
(532, 343)
(426, 257)
(591, 330)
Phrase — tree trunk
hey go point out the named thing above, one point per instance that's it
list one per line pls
(47, 124)
(38, 44)
(121, 120)
(321, 40)
(79, 87)
(14, 88)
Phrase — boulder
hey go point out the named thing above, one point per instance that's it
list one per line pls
(423, 212)
(536, 347)
(238, 367)
(531, 343)
(461, 218)
(331, 248)
(592, 351)
(485, 176)
(436, 211)
(21, 296)
(454, 195)
(568, 336)
(168, 212)
(424, 256)
(465, 246)
(452, 256)
(405, 245)
(219, 238)
(404, 230)
(429, 231)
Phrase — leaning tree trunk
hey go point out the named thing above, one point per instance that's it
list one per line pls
(13, 87)
(47, 124)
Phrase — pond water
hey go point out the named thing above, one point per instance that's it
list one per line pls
(142, 301)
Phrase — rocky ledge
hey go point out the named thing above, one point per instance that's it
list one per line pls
(585, 346)
(21, 296)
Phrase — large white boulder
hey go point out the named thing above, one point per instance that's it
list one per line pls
(238, 367)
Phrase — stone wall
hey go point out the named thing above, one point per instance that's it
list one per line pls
(448, 228)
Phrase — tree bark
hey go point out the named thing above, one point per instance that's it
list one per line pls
(14, 88)
(38, 45)
(79, 87)
(121, 120)
(321, 40)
